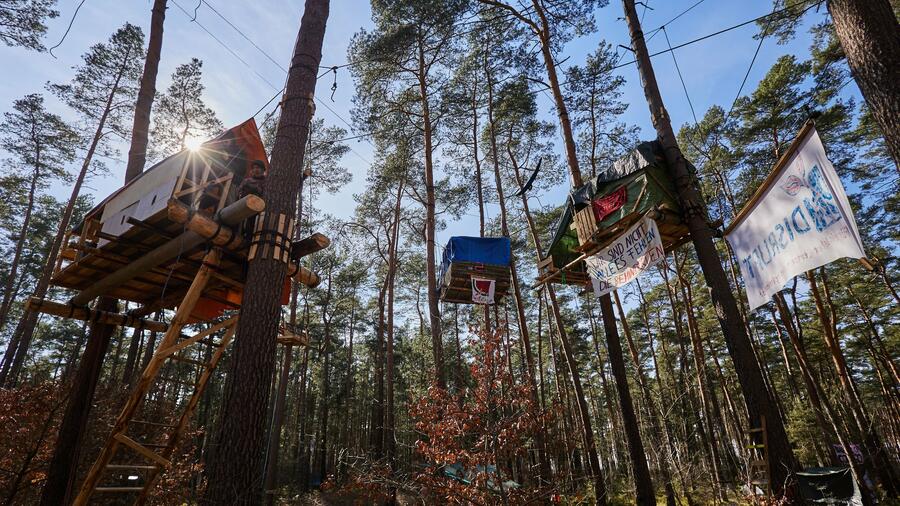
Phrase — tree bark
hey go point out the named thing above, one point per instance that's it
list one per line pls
(234, 473)
(137, 153)
(434, 312)
(11, 275)
(870, 37)
(643, 485)
(759, 403)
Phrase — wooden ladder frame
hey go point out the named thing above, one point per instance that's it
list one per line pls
(167, 350)
(758, 469)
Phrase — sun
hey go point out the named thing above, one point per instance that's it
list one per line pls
(193, 143)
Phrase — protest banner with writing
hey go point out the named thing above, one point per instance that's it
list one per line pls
(799, 219)
(627, 256)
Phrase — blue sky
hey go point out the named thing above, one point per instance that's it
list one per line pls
(712, 69)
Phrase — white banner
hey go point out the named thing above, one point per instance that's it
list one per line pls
(798, 220)
(630, 254)
(483, 290)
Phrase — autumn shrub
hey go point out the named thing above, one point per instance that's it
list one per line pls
(29, 417)
(476, 435)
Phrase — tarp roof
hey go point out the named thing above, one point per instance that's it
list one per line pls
(483, 250)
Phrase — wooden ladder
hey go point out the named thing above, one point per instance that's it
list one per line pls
(157, 456)
(758, 469)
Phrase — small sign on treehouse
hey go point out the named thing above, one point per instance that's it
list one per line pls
(799, 219)
(483, 290)
(626, 257)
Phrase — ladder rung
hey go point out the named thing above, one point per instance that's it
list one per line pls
(176, 380)
(140, 467)
(187, 360)
(154, 445)
(142, 449)
(155, 424)
(756, 446)
(755, 430)
(758, 463)
(119, 489)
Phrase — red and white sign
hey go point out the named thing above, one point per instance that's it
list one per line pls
(629, 254)
(483, 290)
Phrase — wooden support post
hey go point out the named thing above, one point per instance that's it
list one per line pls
(231, 215)
(143, 385)
(92, 315)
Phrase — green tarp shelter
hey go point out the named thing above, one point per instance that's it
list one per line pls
(642, 173)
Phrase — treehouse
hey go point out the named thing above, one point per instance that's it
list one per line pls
(475, 270)
(146, 241)
(178, 236)
(636, 185)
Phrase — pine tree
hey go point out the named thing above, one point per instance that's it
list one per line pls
(23, 22)
(103, 93)
(40, 143)
(404, 68)
(181, 117)
(235, 471)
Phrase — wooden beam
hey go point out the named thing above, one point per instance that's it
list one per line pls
(231, 215)
(293, 339)
(92, 315)
(308, 246)
(303, 275)
(216, 231)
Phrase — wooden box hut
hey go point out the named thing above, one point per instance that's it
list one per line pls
(137, 219)
(636, 185)
(469, 261)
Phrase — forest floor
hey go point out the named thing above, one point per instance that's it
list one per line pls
(342, 498)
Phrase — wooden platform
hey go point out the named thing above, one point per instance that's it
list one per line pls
(548, 271)
(456, 285)
(160, 287)
(672, 229)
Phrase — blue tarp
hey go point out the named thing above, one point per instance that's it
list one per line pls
(483, 250)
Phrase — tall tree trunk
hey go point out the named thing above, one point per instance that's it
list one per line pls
(389, 436)
(61, 472)
(870, 36)
(872, 442)
(820, 403)
(134, 345)
(9, 288)
(583, 412)
(555, 88)
(517, 292)
(644, 494)
(479, 183)
(434, 312)
(376, 436)
(759, 403)
(234, 473)
(137, 153)
(271, 484)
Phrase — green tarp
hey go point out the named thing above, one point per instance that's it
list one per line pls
(643, 173)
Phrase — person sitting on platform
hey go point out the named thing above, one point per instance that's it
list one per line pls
(255, 183)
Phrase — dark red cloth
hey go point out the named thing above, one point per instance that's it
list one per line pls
(608, 204)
